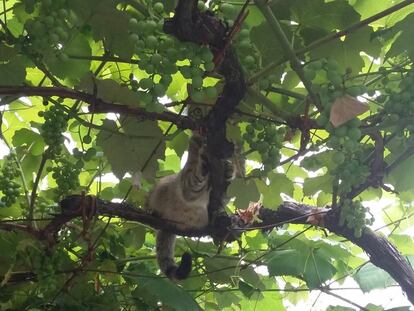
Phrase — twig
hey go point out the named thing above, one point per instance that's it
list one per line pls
(97, 104)
(287, 47)
(35, 186)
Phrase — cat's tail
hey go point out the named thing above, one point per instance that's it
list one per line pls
(165, 256)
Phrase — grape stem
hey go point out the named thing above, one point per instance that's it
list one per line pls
(287, 47)
(35, 186)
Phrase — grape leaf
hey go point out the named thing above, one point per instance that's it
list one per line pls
(130, 155)
(168, 293)
(13, 72)
(370, 277)
(310, 266)
(245, 191)
(320, 183)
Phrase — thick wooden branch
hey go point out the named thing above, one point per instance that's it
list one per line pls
(203, 28)
(382, 253)
(98, 105)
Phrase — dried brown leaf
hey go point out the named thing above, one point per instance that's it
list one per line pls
(345, 108)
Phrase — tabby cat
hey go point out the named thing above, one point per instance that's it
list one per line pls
(181, 199)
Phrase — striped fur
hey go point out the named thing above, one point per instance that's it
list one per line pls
(181, 199)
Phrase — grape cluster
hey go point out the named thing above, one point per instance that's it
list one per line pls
(42, 206)
(66, 175)
(83, 156)
(157, 57)
(8, 185)
(166, 56)
(51, 27)
(267, 140)
(354, 216)
(351, 173)
(55, 124)
(328, 69)
(345, 137)
(329, 82)
(399, 103)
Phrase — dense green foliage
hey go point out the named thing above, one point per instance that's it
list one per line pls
(116, 51)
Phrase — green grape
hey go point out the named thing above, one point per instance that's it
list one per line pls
(156, 59)
(146, 98)
(151, 25)
(211, 92)
(309, 74)
(49, 20)
(332, 65)
(263, 146)
(166, 81)
(354, 133)
(244, 44)
(146, 83)
(133, 23)
(264, 84)
(201, 6)
(196, 61)
(227, 8)
(133, 37)
(87, 139)
(250, 129)
(206, 55)
(197, 82)
(54, 38)
(209, 66)
(197, 96)
(249, 60)
(159, 7)
(355, 122)
(316, 65)
(63, 13)
(244, 33)
(258, 126)
(354, 90)
(341, 131)
(335, 79)
(159, 90)
(338, 157)
(151, 42)
(196, 72)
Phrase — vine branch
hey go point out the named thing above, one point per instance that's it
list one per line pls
(98, 105)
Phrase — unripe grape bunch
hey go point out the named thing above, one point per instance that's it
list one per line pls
(66, 175)
(53, 127)
(50, 27)
(8, 184)
(354, 215)
(267, 140)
